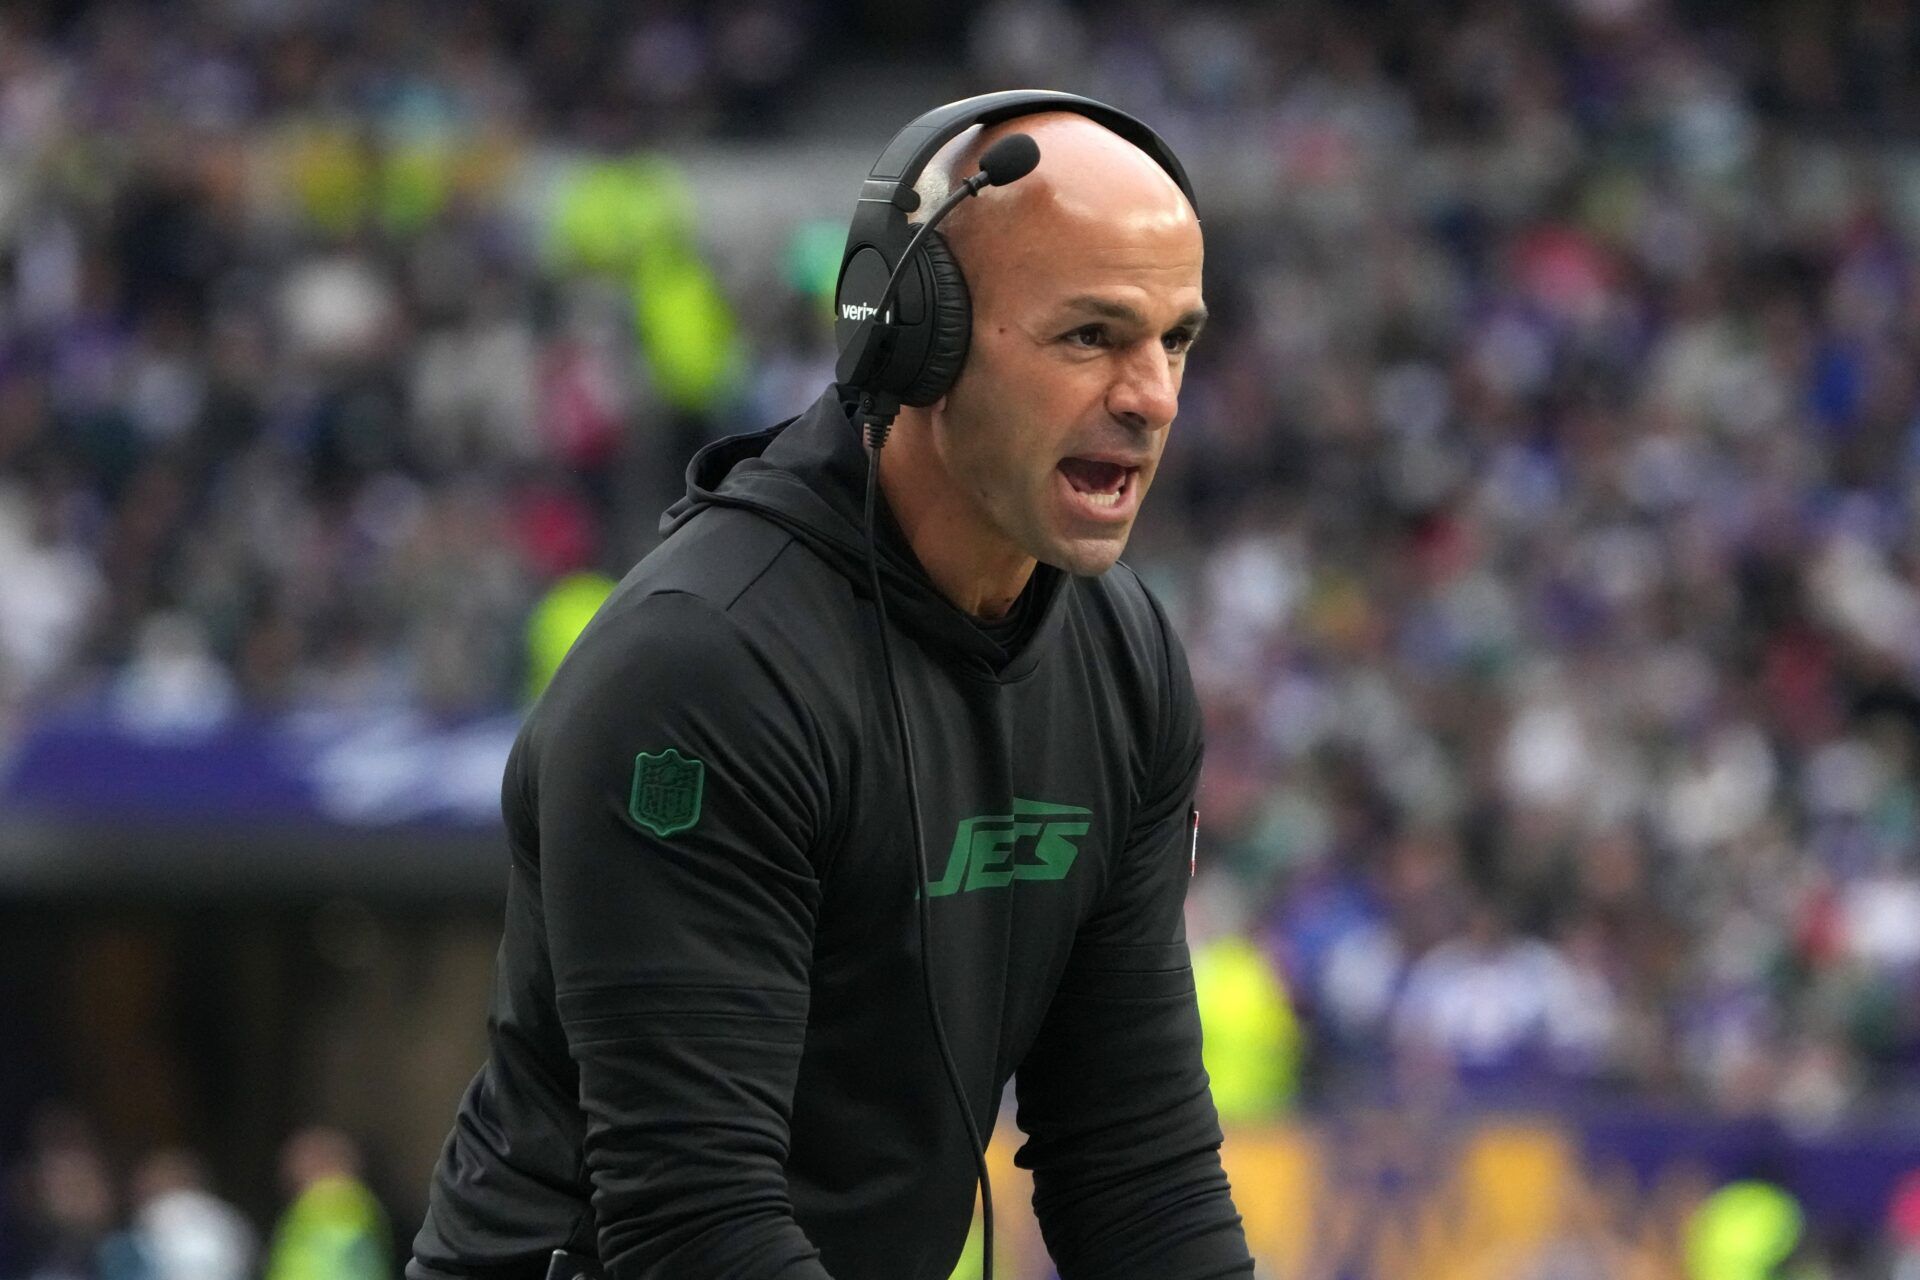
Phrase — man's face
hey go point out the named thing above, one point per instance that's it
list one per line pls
(1086, 296)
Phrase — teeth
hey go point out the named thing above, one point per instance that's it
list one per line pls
(1099, 499)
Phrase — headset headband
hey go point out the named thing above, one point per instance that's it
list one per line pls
(907, 156)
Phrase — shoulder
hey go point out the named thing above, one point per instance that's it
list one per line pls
(1124, 614)
(728, 590)
(668, 637)
(671, 676)
(720, 556)
(653, 660)
(686, 648)
(643, 630)
(1135, 648)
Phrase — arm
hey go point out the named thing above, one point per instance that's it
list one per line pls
(1123, 1140)
(681, 960)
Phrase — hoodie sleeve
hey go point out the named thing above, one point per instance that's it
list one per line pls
(1123, 1140)
(678, 791)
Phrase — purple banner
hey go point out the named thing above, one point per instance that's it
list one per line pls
(356, 770)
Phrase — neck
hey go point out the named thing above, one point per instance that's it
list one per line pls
(970, 563)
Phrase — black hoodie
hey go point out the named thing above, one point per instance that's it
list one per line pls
(710, 1053)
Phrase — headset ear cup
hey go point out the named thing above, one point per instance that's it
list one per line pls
(950, 324)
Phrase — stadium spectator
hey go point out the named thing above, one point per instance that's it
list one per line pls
(333, 1229)
(72, 1207)
(1490, 1004)
(184, 1230)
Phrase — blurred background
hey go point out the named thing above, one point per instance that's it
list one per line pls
(1540, 521)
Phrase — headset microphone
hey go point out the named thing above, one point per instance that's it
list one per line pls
(1009, 159)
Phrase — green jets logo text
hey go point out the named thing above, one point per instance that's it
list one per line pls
(1034, 842)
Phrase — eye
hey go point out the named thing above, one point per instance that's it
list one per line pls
(1177, 341)
(1087, 336)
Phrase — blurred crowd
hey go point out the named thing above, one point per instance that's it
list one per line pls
(66, 1215)
(1540, 516)
(1548, 554)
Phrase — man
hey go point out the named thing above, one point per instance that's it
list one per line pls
(710, 1017)
(186, 1231)
(334, 1229)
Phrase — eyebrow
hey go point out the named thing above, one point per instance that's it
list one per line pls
(1107, 309)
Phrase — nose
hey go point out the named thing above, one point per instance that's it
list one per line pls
(1145, 391)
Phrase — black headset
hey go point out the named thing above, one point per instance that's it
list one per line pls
(933, 313)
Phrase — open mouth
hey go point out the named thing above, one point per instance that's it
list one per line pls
(1101, 484)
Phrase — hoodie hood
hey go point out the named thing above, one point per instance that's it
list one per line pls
(809, 475)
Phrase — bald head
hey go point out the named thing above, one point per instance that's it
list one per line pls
(1086, 171)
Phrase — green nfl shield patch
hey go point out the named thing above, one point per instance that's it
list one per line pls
(666, 791)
